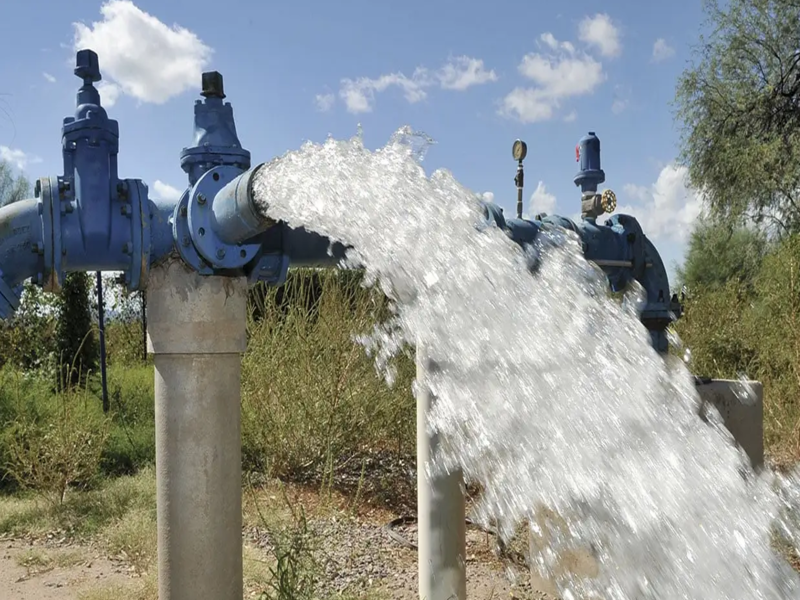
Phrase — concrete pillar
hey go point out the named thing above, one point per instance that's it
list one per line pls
(742, 412)
(441, 512)
(197, 333)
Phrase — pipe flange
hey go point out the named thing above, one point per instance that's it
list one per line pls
(182, 235)
(213, 250)
(136, 278)
(51, 279)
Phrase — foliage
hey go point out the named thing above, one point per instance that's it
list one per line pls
(735, 330)
(27, 338)
(311, 398)
(740, 109)
(53, 445)
(718, 253)
(12, 187)
(75, 336)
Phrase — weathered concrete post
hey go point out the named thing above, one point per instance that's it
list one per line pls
(197, 334)
(441, 510)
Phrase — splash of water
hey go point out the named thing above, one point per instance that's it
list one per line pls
(549, 392)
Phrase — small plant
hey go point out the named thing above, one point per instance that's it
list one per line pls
(294, 575)
(57, 448)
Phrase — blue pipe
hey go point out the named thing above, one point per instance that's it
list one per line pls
(619, 246)
(21, 251)
(88, 219)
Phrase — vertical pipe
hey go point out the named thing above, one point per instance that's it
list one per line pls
(101, 325)
(144, 326)
(441, 509)
(197, 335)
(520, 181)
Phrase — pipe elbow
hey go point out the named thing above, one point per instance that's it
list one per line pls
(22, 251)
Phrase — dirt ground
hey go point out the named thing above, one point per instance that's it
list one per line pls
(357, 553)
(49, 570)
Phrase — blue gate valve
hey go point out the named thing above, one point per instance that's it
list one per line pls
(87, 219)
(619, 246)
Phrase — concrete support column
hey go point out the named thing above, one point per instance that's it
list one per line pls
(441, 511)
(197, 333)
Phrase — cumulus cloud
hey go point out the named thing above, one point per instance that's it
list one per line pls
(557, 76)
(48, 77)
(324, 102)
(458, 74)
(668, 208)
(141, 56)
(662, 50)
(600, 32)
(464, 72)
(164, 191)
(109, 93)
(17, 158)
(542, 201)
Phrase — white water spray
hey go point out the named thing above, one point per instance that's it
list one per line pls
(549, 392)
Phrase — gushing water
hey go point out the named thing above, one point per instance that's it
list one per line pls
(549, 392)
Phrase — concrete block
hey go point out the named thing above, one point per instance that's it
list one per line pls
(741, 406)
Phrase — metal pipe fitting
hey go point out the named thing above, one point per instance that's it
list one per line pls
(235, 218)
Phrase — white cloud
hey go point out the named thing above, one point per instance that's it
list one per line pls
(109, 93)
(359, 94)
(17, 158)
(542, 201)
(142, 56)
(549, 40)
(457, 74)
(600, 32)
(324, 102)
(571, 117)
(563, 74)
(662, 50)
(164, 191)
(463, 72)
(668, 208)
(488, 196)
(49, 77)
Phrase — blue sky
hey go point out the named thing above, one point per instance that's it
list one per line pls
(474, 75)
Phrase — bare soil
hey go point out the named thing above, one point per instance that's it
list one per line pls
(52, 570)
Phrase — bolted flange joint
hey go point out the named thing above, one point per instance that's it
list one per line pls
(205, 231)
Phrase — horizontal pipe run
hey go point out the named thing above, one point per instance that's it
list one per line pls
(310, 249)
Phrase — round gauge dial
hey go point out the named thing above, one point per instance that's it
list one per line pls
(519, 150)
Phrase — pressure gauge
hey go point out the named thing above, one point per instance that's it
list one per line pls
(608, 201)
(519, 150)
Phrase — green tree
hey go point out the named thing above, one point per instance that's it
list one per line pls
(739, 105)
(718, 254)
(75, 338)
(12, 187)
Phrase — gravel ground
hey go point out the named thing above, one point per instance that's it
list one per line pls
(358, 554)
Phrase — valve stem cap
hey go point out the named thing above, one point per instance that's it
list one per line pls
(212, 85)
(87, 66)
